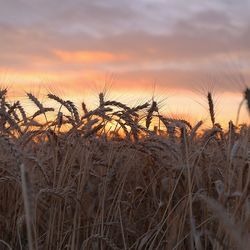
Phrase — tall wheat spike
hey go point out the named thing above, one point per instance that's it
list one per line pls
(247, 98)
(211, 107)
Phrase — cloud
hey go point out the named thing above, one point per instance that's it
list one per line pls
(137, 40)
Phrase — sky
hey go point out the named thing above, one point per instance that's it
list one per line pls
(174, 50)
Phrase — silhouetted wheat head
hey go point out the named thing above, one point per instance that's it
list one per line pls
(247, 97)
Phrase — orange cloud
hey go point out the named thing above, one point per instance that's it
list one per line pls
(89, 56)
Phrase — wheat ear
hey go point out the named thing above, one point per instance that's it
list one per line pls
(211, 107)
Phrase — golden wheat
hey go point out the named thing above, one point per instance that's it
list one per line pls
(120, 177)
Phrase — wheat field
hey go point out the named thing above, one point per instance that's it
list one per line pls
(120, 177)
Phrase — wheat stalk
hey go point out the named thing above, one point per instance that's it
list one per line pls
(27, 207)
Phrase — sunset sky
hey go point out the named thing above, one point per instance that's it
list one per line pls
(173, 49)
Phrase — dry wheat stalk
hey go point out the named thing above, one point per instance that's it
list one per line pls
(27, 206)
(108, 241)
(234, 231)
(150, 198)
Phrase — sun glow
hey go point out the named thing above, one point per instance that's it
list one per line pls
(89, 56)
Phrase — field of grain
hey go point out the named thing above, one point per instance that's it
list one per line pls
(120, 177)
